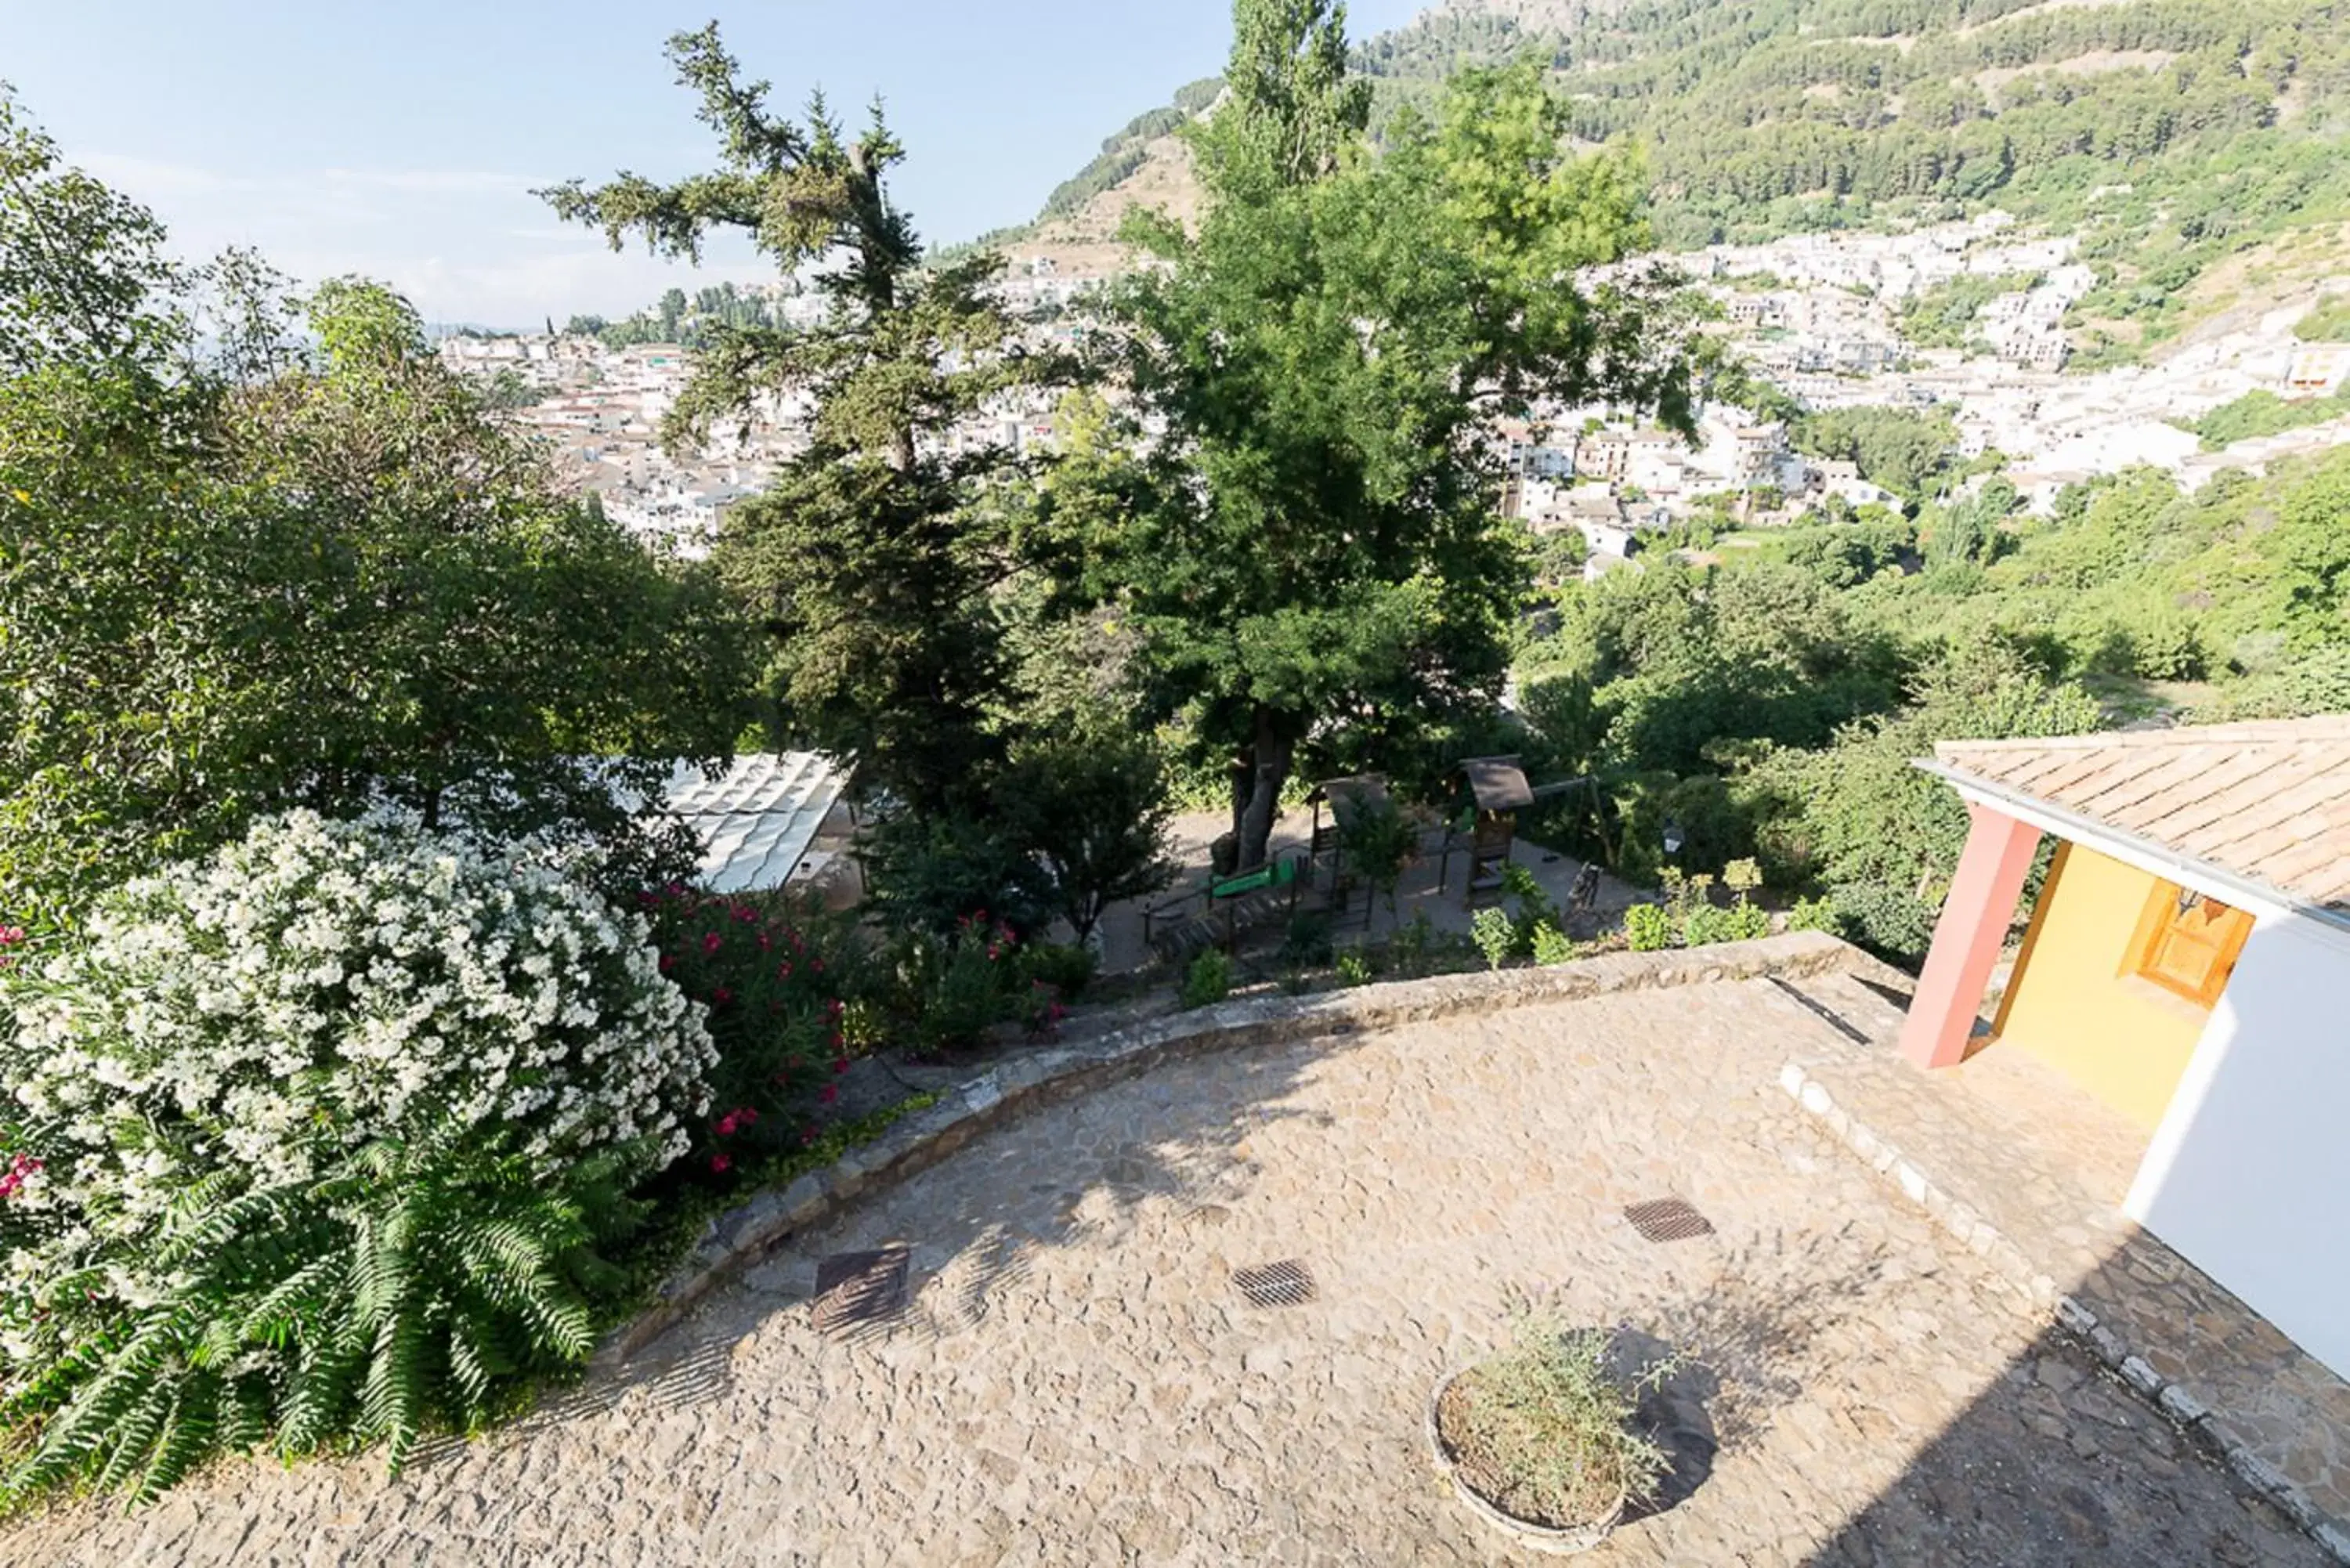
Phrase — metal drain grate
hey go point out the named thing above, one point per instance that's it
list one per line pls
(1667, 1220)
(855, 1290)
(1280, 1284)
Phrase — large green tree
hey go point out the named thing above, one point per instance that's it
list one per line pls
(244, 569)
(875, 557)
(1316, 560)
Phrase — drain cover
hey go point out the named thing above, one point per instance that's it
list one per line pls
(1667, 1220)
(1284, 1283)
(856, 1289)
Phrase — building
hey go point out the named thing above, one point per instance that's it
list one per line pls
(2188, 962)
(2316, 369)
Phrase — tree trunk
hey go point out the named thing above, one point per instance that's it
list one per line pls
(1271, 751)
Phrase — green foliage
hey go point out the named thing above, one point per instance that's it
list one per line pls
(1315, 535)
(325, 577)
(1496, 936)
(954, 987)
(1550, 945)
(1944, 316)
(1907, 451)
(1647, 929)
(1306, 942)
(1353, 967)
(774, 977)
(417, 1284)
(1209, 980)
(1066, 967)
(1546, 1427)
(1814, 915)
(2263, 413)
(2328, 321)
(874, 555)
(1375, 841)
(1092, 810)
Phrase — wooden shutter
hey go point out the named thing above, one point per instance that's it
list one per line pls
(2189, 951)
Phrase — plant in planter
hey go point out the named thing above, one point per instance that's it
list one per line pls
(1539, 1441)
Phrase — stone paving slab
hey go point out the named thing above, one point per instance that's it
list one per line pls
(1077, 1380)
(2044, 1163)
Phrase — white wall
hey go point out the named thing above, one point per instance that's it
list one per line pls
(2249, 1174)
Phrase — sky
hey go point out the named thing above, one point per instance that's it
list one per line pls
(402, 141)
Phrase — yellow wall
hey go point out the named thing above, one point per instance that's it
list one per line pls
(2122, 1039)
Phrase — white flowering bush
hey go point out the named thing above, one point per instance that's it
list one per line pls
(344, 1102)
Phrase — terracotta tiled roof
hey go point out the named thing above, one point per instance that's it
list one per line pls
(2268, 803)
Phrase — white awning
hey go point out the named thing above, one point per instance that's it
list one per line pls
(758, 818)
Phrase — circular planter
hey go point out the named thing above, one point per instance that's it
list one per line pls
(1549, 1540)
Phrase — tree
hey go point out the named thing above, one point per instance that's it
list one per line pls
(873, 558)
(1094, 811)
(1317, 555)
(281, 575)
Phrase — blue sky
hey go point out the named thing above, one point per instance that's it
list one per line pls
(401, 140)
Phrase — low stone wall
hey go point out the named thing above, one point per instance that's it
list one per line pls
(1042, 1076)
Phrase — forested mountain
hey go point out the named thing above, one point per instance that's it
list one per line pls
(2169, 131)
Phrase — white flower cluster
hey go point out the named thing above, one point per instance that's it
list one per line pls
(316, 985)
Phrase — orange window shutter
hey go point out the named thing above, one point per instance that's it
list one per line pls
(2191, 952)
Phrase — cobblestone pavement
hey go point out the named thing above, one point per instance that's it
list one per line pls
(1077, 1381)
(2048, 1164)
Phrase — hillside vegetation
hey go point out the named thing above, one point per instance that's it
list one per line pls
(2170, 132)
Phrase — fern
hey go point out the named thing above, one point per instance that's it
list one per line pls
(415, 1285)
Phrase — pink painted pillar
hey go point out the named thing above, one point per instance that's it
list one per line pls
(1967, 937)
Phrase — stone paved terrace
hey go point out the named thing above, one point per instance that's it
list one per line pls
(2048, 1164)
(1077, 1382)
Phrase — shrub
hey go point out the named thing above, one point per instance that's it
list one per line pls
(1209, 980)
(1814, 915)
(1551, 946)
(1354, 968)
(1890, 922)
(1706, 924)
(1066, 967)
(959, 986)
(774, 980)
(1306, 942)
(1647, 929)
(1375, 841)
(1496, 936)
(1536, 907)
(1544, 1431)
(313, 1139)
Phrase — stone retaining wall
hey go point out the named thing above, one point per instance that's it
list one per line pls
(1039, 1077)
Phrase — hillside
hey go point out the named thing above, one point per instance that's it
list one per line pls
(2171, 133)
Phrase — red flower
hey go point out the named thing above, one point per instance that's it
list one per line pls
(720, 1164)
(712, 941)
(815, 965)
(840, 1063)
(727, 1124)
(669, 962)
(783, 969)
(807, 1133)
(831, 1091)
(765, 943)
(721, 997)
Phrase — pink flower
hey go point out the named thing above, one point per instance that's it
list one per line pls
(840, 1063)
(783, 969)
(721, 997)
(808, 1134)
(766, 943)
(669, 962)
(727, 1124)
(720, 1164)
(831, 1091)
(711, 942)
(836, 1007)
(816, 966)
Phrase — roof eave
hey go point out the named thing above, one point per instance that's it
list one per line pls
(2249, 892)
